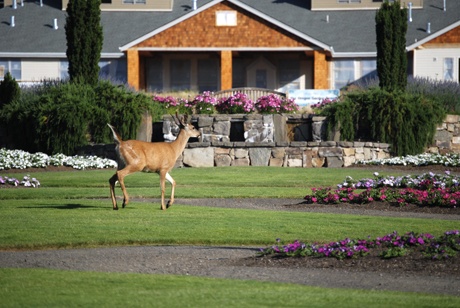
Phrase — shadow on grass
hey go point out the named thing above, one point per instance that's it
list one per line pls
(69, 206)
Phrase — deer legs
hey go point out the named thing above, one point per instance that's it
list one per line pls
(119, 177)
(166, 177)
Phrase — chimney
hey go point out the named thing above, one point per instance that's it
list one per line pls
(194, 4)
(444, 7)
(428, 28)
(41, 2)
(327, 18)
(410, 11)
(22, 2)
(15, 4)
(12, 24)
(55, 24)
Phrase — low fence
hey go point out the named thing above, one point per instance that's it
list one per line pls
(252, 93)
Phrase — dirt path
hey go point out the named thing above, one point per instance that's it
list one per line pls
(237, 262)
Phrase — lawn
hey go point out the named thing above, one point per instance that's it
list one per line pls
(73, 209)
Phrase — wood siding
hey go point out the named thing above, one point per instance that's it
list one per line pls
(429, 62)
(37, 70)
(450, 37)
(201, 31)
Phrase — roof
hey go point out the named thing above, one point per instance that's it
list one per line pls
(349, 33)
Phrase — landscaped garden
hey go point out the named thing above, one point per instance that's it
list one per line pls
(72, 209)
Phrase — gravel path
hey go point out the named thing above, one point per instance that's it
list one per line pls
(228, 262)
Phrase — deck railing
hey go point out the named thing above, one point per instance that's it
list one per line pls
(252, 93)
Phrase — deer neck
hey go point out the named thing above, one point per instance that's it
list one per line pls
(180, 142)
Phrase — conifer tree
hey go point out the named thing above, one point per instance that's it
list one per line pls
(9, 90)
(391, 28)
(84, 40)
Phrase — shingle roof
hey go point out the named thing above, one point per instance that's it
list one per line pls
(348, 32)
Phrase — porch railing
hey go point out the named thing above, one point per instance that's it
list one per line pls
(252, 93)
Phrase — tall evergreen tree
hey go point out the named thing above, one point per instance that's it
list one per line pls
(84, 40)
(391, 28)
(9, 90)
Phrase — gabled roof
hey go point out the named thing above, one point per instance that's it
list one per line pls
(344, 33)
(240, 4)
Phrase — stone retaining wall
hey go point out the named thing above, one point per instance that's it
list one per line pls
(447, 138)
(261, 140)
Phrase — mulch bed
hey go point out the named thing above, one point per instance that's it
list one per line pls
(413, 263)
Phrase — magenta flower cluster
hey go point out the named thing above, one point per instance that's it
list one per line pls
(204, 103)
(428, 189)
(237, 103)
(445, 246)
(324, 103)
(273, 103)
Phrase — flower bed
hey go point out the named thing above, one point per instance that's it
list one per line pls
(392, 245)
(428, 189)
(425, 159)
(206, 103)
(18, 159)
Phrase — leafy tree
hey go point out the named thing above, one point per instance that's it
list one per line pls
(84, 40)
(391, 28)
(9, 90)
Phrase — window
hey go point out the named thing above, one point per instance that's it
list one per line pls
(180, 74)
(226, 18)
(12, 66)
(133, 1)
(448, 68)
(289, 74)
(208, 74)
(349, 1)
(64, 69)
(368, 67)
(238, 73)
(344, 73)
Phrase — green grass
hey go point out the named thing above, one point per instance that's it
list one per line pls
(73, 209)
(50, 288)
(232, 182)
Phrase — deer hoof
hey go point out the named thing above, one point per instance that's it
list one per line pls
(168, 204)
(115, 208)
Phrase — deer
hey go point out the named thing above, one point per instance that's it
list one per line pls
(141, 156)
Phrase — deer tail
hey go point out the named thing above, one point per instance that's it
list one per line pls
(116, 136)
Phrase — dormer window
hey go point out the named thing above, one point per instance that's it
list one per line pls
(226, 18)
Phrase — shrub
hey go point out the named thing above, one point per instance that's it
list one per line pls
(122, 108)
(446, 93)
(406, 121)
(59, 117)
(9, 90)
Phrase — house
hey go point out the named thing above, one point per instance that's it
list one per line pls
(169, 45)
